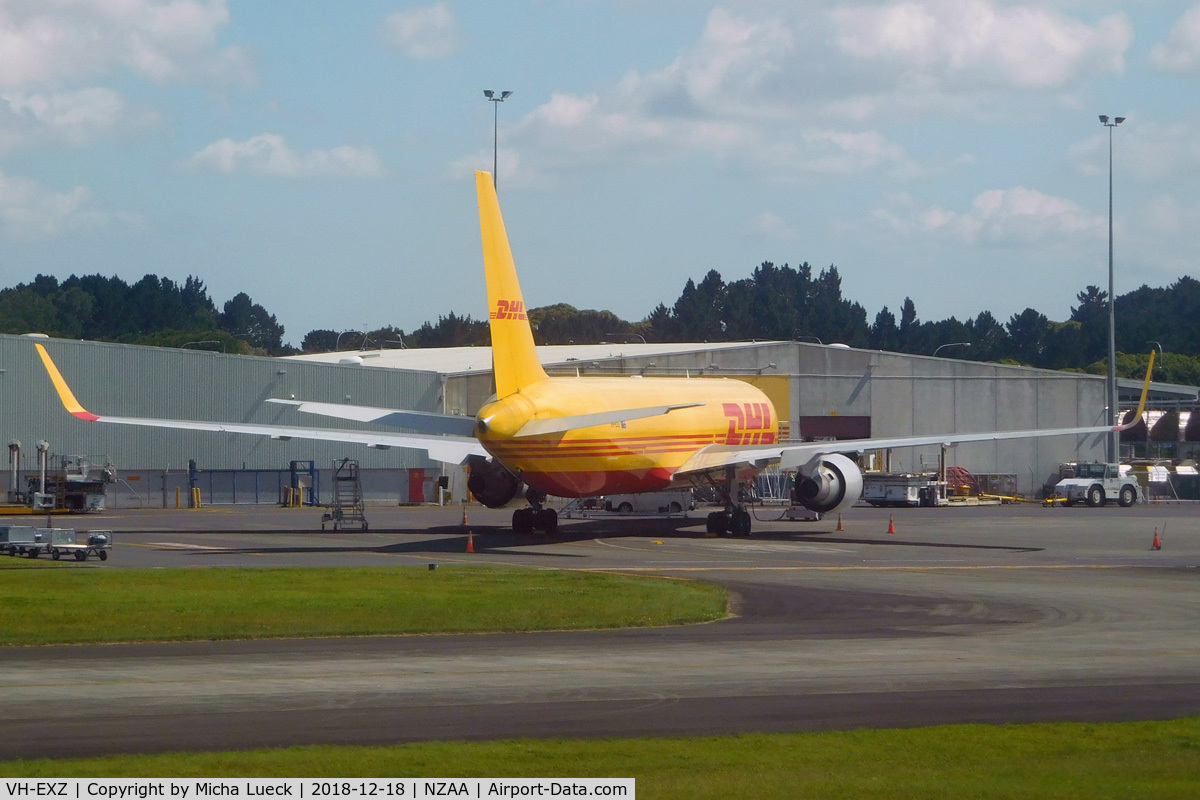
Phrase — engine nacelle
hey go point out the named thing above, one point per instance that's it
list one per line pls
(836, 483)
(491, 483)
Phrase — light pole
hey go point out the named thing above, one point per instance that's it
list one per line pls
(1113, 451)
(951, 344)
(490, 95)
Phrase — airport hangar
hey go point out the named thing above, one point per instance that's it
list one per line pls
(826, 390)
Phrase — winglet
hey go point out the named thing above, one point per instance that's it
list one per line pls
(64, 392)
(514, 356)
(1137, 417)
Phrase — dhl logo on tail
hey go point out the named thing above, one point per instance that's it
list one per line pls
(749, 423)
(509, 309)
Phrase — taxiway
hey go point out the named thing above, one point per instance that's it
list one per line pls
(994, 614)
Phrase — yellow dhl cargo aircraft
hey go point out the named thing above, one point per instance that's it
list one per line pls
(590, 436)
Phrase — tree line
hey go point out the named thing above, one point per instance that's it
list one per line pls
(774, 302)
(153, 311)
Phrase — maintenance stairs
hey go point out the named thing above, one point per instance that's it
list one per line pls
(347, 508)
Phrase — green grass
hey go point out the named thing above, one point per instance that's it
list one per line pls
(52, 606)
(1068, 760)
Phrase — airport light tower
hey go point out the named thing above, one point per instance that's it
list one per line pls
(1113, 450)
(490, 95)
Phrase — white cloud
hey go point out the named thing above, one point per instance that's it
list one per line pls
(1181, 51)
(1020, 46)
(49, 43)
(1144, 151)
(423, 33)
(269, 154)
(1017, 216)
(73, 118)
(794, 90)
(1167, 215)
(770, 225)
(30, 211)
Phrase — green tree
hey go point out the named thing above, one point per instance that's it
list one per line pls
(248, 320)
(319, 341)
(1028, 333)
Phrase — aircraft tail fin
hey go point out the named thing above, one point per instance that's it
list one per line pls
(514, 357)
(1137, 416)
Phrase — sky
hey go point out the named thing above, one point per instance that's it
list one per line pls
(319, 156)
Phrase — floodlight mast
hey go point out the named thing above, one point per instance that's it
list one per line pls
(1113, 453)
(491, 95)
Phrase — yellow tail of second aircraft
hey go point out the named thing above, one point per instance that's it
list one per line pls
(514, 357)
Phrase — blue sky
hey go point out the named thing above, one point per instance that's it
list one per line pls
(319, 156)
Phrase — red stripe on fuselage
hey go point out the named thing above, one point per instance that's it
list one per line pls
(592, 483)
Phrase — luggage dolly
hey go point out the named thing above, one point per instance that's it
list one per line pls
(98, 544)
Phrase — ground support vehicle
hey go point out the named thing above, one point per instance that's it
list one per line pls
(903, 489)
(31, 542)
(79, 484)
(1096, 484)
(671, 501)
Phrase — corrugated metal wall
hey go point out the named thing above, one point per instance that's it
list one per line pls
(901, 394)
(127, 380)
(905, 395)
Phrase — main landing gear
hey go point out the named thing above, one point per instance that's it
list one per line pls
(536, 517)
(735, 519)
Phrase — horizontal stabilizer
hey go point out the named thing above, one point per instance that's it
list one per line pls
(423, 421)
(541, 427)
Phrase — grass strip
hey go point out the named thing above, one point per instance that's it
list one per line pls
(1158, 760)
(53, 606)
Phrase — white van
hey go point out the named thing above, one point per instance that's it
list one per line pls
(672, 501)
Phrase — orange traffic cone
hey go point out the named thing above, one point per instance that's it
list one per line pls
(464, 519)
(470, 542)
(840, 527)
(1157, 541)
(891, 524)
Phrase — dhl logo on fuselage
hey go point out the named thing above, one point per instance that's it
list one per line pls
(509, 309)
(749, 423)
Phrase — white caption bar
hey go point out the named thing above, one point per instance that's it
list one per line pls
(312, 789)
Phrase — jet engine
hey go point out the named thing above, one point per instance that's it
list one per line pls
(834, 484)
(491, 483)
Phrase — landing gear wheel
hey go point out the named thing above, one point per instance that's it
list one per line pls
(718, 522)
(1127, 498)
(546, 521)
(739, 523)
(1095, 496)
(522, 520)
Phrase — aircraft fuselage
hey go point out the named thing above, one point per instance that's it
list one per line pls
(637, 455)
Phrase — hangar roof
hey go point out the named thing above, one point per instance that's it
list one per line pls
(451, 360)
(469, 360)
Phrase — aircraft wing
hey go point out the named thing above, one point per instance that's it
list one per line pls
(452, 449)
(422, 421)
(791, 456)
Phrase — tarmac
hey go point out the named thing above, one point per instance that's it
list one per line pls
(1000, 614)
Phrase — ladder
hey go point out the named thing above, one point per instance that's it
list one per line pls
(347, 508)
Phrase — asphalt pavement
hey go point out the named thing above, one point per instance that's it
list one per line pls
(987, 614)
